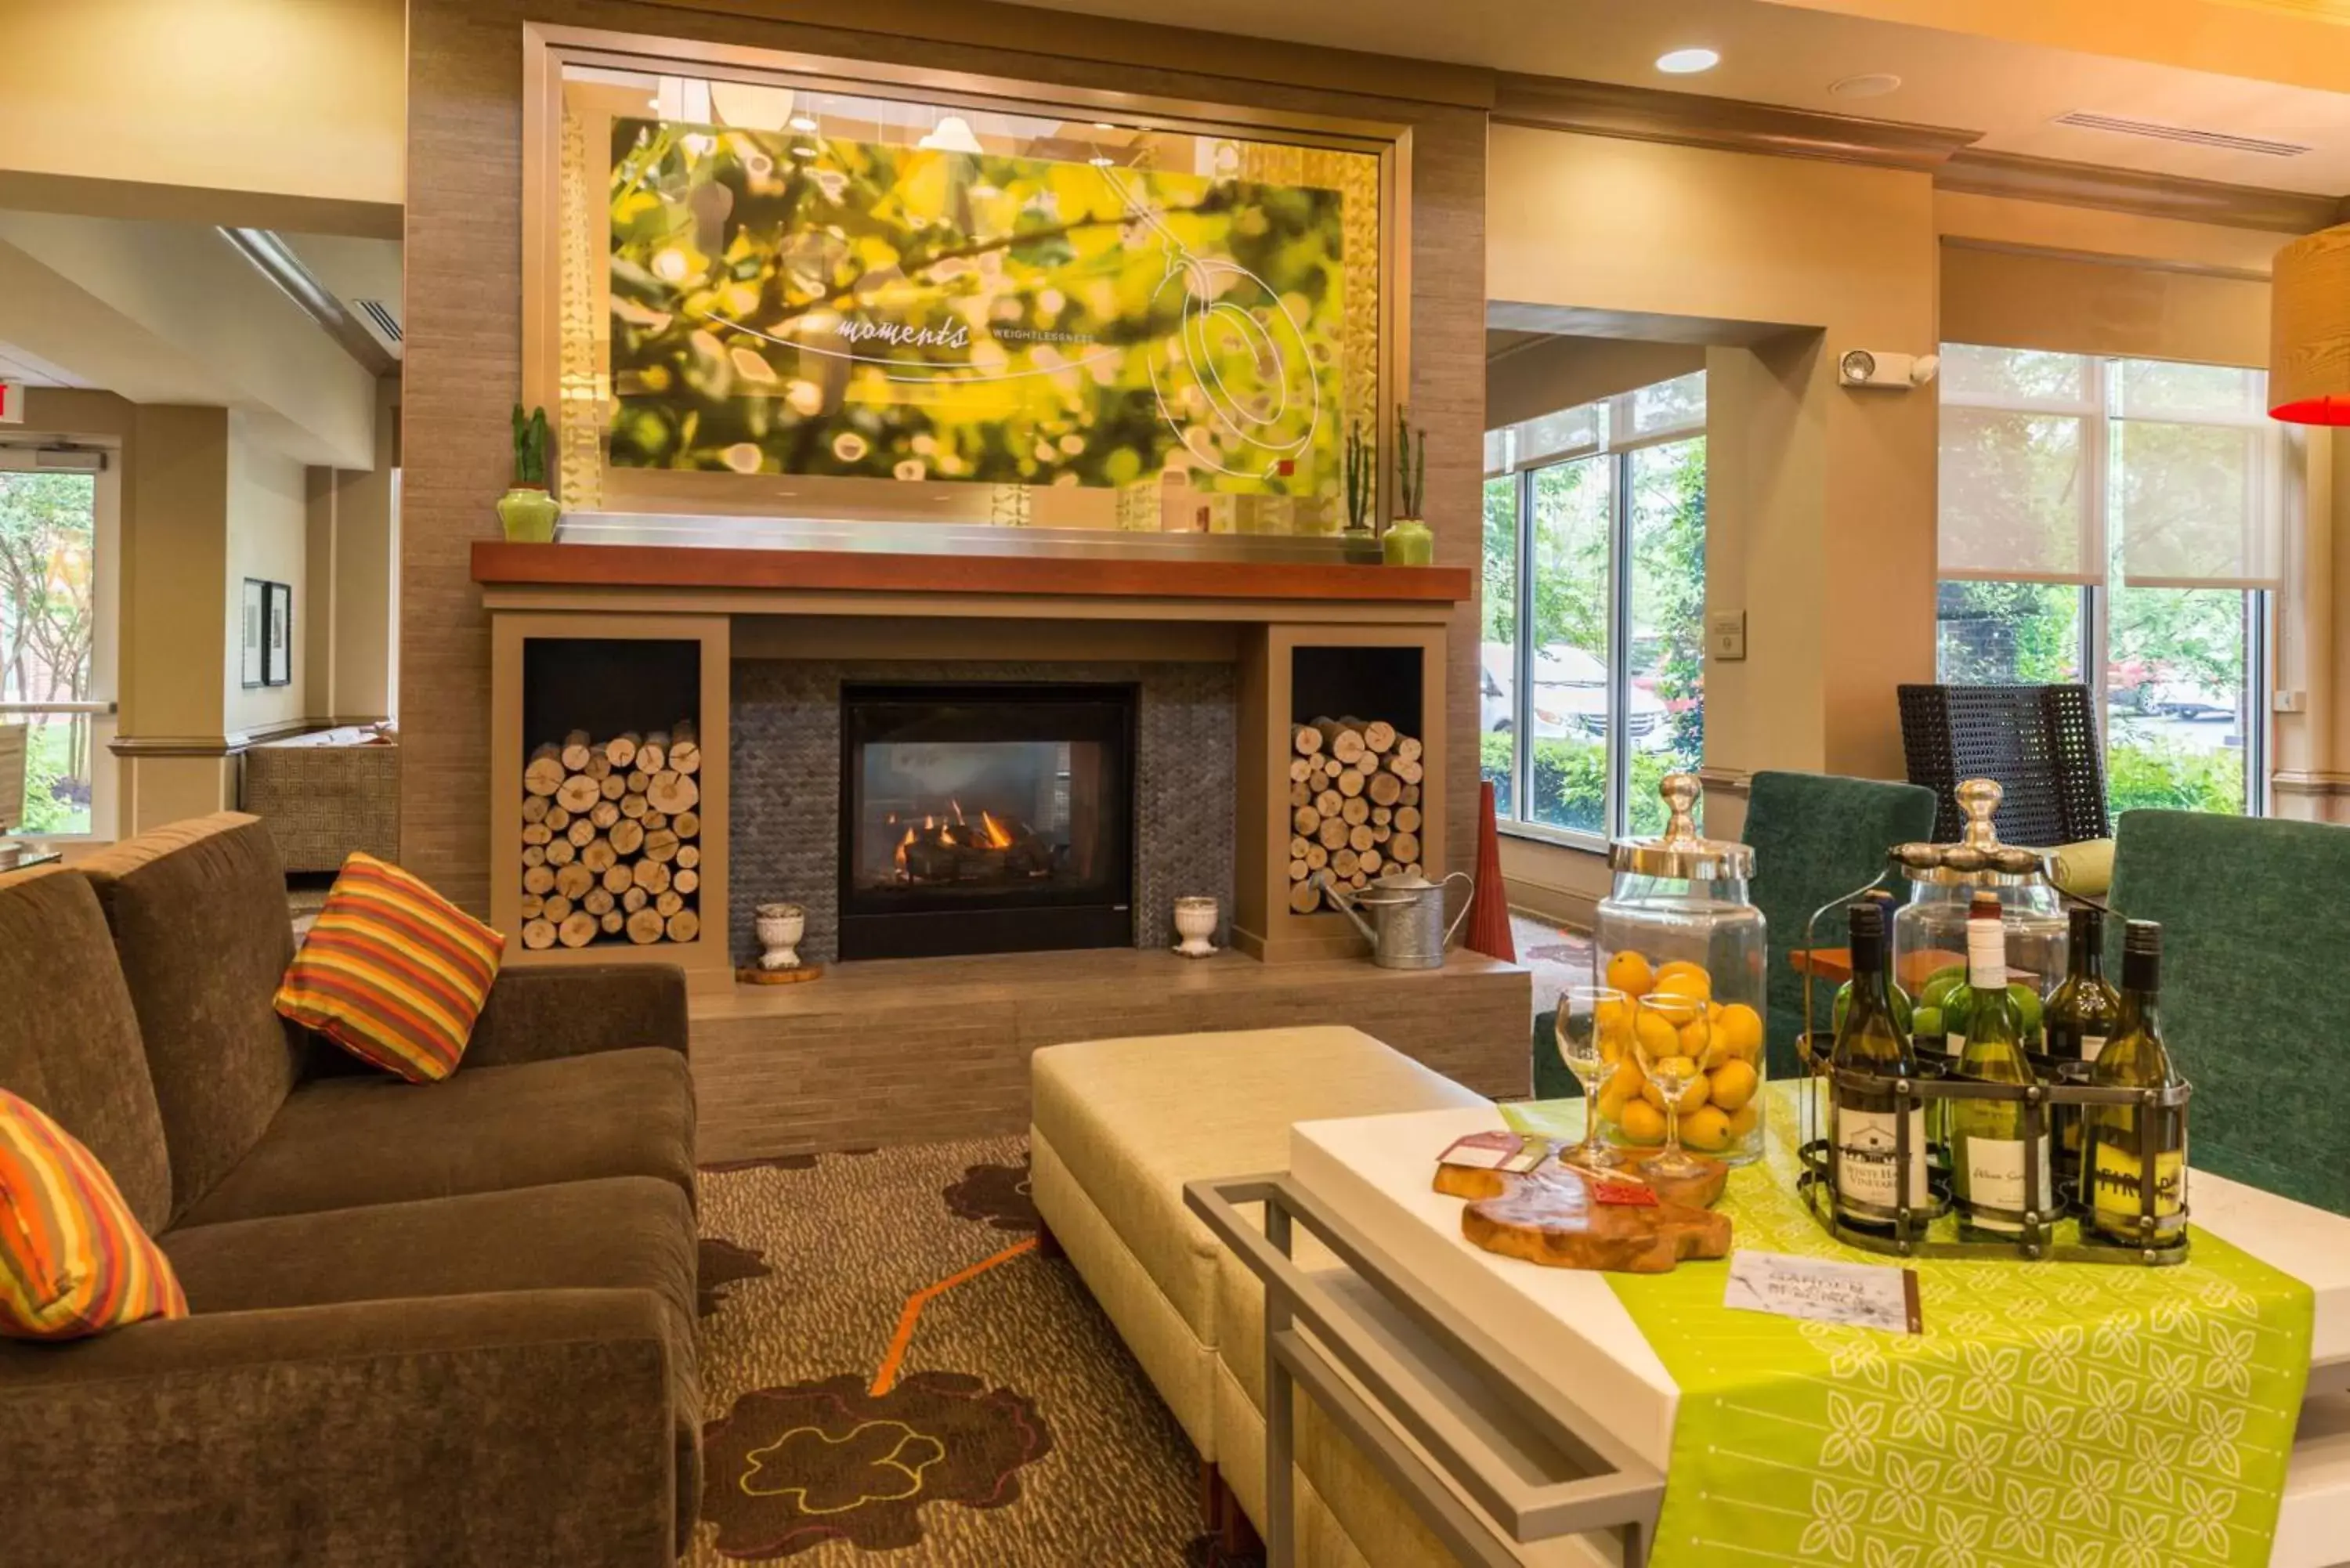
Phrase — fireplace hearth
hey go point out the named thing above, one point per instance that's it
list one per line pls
(984, 817)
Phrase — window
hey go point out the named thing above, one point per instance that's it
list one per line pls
(1593, 679)
(56, 657)
(2116, 522)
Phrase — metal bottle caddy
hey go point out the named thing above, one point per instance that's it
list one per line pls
(2055, 1224)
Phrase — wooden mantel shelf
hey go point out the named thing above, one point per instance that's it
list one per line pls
(642, 567)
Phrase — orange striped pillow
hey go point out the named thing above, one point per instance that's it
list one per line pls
(73, 1259)
(393, 972)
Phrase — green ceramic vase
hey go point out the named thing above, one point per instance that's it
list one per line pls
(1408, 542)
(529, 514)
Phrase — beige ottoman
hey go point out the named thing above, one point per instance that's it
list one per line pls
(1119, 1125)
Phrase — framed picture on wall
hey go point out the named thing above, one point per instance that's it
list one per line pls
(279, 664)
(251, 665)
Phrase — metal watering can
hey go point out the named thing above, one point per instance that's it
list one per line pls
(1406, 927)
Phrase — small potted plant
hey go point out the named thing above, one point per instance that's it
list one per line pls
(528, 512)
(1362, 479)
(1408, 542)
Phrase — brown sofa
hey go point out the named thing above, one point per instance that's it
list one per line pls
(436, 1324)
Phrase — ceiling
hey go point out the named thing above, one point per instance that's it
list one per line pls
(25, 371)
(1782, 54)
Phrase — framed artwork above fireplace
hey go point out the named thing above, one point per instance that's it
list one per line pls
(823, 294)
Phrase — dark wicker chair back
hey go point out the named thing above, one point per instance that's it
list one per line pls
(2039, 744)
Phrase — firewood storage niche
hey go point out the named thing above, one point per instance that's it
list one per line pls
(609, 813)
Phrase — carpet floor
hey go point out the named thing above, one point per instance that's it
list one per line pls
(891, 1372)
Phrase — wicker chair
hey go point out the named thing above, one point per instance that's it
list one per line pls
(2039, 744)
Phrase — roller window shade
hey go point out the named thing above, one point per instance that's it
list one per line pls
(2016, 497)
(1568, 432)
(1497, 452)
(2199, 477)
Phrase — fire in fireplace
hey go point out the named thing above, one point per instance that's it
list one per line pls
(982, 817)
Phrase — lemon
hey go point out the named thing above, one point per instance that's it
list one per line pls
(1680, 966)
(1741, 1027)
(1642, 1123)
(1656, 1035)
(1743, 1119)
(1617, 1091)
(1628, 972)
(1677, 1067)
(1692, 982)
(1732, 1085)
(1697, 1037)
(1708, 1129)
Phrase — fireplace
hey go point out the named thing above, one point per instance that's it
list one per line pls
(982, 817)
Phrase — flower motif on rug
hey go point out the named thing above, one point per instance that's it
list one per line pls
(721, 1264)
(995, 1195)
(791, 1467)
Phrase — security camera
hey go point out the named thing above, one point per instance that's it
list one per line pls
(1897, 372)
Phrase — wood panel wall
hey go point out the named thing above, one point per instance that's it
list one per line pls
(464, 333)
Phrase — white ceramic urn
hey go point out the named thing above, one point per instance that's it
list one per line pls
(779, 928)
(1195, 922)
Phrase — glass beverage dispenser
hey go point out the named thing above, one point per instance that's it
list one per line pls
(1678, 921)
(1929, 932)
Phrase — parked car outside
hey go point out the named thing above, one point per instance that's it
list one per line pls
(1570, 698)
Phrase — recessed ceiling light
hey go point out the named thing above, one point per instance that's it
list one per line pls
(1688, 62)
(1870, 84)
(803, 123)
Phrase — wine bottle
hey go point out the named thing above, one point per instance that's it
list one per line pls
(1865, 1124)
(2136, 1058)
(2081, 1017)
(1988, 1142)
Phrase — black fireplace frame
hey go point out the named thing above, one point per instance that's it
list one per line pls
(913, 922)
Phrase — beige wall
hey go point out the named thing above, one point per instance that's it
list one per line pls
(256, 112)
(352, 573)
(268, 538)
(1821, 500)
(1527, 380)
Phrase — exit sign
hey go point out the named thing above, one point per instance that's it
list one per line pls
(12, 403)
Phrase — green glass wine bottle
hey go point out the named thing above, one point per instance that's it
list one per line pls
(1988, 1142)
(2081, 1014)
(1865, 1125)
(2136, 1058)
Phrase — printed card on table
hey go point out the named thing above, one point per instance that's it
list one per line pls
(1860, 1295)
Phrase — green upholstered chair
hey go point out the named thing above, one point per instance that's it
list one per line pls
(1818, 837)
(1553, 1078)
(2253, 931)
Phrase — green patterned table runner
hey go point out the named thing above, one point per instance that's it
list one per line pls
(2052, 1414)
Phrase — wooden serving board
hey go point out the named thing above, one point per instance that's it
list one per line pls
(1696, 1191)
(1552, 1218)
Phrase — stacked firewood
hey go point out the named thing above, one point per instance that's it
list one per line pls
(611, 839)
(1354, 806)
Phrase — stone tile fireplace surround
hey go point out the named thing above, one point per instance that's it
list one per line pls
(786, 749)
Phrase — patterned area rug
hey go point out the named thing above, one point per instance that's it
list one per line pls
(891, 1373)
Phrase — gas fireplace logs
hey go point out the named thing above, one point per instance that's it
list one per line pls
(1354, 806)
(609, 833)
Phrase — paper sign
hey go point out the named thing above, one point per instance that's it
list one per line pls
(1860, 1295)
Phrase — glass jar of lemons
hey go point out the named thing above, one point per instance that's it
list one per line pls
(1678, 923)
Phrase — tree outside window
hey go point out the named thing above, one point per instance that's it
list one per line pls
(48, 626)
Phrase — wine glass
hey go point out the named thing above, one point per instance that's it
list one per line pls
(1595, 1038)
(1670, 1033)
